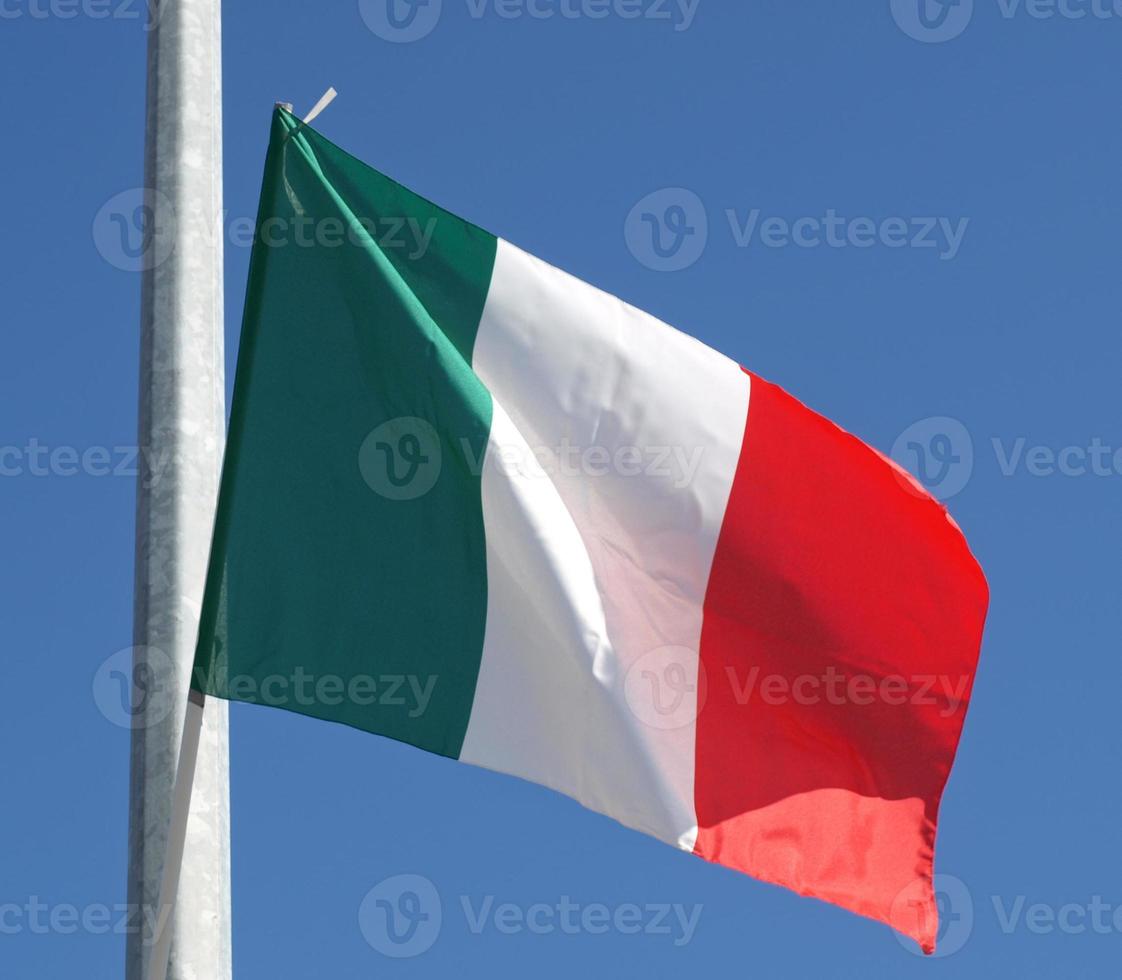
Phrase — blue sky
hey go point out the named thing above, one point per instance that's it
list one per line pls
(909, 221)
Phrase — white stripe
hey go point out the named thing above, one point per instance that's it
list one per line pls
(599, 557)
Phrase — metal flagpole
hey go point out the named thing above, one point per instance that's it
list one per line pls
(159, 958)
(181, 432)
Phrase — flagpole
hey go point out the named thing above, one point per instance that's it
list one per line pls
(179, 826)
(177, 834)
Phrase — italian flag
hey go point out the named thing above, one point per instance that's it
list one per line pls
(604, 557)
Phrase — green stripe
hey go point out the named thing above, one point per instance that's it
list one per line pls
(330, 579)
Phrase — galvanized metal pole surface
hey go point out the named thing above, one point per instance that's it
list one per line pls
(182, 425)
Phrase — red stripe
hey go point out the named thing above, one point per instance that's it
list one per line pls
(838, 590)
